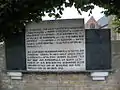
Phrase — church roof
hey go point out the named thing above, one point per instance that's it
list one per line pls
(92, 19)
(103, 21)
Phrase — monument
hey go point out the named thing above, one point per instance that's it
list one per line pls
(59, 46)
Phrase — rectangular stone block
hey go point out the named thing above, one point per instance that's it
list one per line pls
(14, 74)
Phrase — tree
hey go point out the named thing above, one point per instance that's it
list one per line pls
(116, 24)
(15, 14)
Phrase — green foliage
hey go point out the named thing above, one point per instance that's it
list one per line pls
(116, 24)
(15, 14)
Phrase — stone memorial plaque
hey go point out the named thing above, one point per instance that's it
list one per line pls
(56, 46)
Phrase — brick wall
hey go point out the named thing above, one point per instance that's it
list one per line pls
(44, 81)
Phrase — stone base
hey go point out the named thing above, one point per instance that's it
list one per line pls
(99, 76)
(15, 75)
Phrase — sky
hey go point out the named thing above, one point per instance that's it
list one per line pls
(71, 13)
